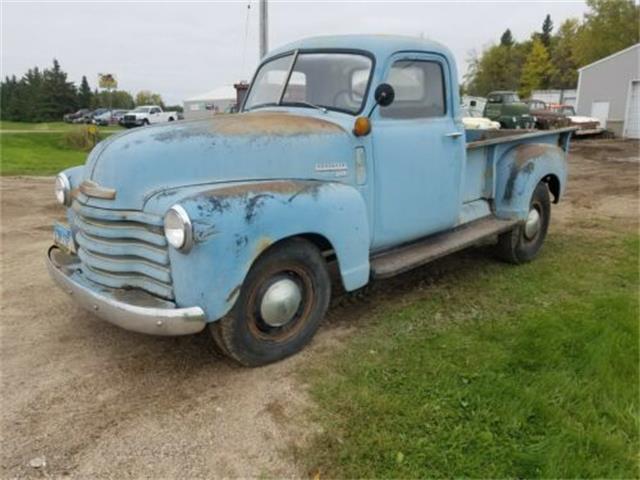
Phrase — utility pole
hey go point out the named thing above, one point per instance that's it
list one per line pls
(264, 28)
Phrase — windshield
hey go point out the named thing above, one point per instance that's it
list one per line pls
(142, 109)
(335, 81)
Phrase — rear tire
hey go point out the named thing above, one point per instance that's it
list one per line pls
(523, 243)
(281, 304)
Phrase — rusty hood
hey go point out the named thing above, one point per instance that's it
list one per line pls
(143, 162)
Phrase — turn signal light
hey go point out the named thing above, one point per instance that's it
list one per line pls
(361, 127)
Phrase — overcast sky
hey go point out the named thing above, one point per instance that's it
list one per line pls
(181, 49)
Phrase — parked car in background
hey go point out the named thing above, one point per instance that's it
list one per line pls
(109, 117)
(546, 118)
(506, 108)
(71, 117)
(586, 125)
(147, 115)
(472, 120)
(234, 222)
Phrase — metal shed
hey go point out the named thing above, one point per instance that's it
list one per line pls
(210, 103)
(609, 90)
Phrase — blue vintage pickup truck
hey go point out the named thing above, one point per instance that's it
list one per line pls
(348, 149)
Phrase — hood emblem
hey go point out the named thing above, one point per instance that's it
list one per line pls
(92, 189)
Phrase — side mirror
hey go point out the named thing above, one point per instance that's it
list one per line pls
(384, 94)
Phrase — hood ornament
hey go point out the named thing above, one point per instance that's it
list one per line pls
(92, 189)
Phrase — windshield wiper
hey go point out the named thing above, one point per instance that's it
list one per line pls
(309, 104)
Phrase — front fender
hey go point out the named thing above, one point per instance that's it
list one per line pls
(234, 224)
(520, 170)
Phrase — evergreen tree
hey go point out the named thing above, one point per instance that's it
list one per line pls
(84, 94)
(506, 40)
(60, 96)
(537, 70)
(547, 28)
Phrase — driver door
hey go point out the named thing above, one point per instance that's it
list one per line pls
(418, 150)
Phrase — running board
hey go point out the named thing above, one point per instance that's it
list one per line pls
(407, 257)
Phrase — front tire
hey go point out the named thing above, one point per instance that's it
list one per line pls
(523, 243)
(281, 304)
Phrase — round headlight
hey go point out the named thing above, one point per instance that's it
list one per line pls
(177, 228)
(62, 189)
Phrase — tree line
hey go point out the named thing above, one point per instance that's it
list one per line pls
(46, 95)
(550, 60)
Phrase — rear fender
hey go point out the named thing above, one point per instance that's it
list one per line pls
(520, 170)
(234, 224)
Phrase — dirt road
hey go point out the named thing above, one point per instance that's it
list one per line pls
(86, 399)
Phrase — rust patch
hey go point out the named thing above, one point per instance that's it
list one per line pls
(526, 152)
(271, 123)
(262, 245)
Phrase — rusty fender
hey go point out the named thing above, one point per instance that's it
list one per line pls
(234, 224)
(518, 172)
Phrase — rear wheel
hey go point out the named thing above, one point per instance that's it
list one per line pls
(523, 243)
(280, 306)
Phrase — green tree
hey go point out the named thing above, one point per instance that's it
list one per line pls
(537, 70)
(547, 28)
(84, 93)
(118, 99)
(145, 97)
(565, 74)
(60, 95)
(506, 39)
(610, 26)
(497, 68)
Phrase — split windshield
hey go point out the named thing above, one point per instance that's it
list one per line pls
(332, 81)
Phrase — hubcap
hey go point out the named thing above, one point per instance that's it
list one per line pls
(532, 225)
(280, 302)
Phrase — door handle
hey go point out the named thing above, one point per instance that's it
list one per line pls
(453, 134)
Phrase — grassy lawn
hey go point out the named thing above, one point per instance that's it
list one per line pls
(49, 126)
(494, 371)
(44, 152)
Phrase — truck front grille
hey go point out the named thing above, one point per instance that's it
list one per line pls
(123, 249)
(129, 118)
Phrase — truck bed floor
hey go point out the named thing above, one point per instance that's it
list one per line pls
(407, 257)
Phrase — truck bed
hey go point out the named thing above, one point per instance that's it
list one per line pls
(482, 138)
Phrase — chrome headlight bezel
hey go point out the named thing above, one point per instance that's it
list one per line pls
(178, 229)
(62, 189)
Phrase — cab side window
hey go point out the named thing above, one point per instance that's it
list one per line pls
(419, 90)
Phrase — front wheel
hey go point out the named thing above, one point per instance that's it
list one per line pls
(523, 243)
(280, 306)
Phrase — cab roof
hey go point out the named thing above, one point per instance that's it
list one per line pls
(379, 45)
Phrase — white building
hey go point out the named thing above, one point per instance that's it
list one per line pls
(609, 90)
(219, 100)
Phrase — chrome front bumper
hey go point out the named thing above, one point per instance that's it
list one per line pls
(130, 309)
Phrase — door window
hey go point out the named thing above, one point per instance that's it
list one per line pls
(419, 90)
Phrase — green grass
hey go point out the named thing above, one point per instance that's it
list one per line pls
(37, 154)
(44, 152)
(495, 371)
(50, 126)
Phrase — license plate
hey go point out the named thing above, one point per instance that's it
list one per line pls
(63, 238)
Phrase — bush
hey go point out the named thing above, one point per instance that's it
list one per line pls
(83, 138)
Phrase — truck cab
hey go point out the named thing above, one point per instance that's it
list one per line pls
(347, 150)
(506, 108)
